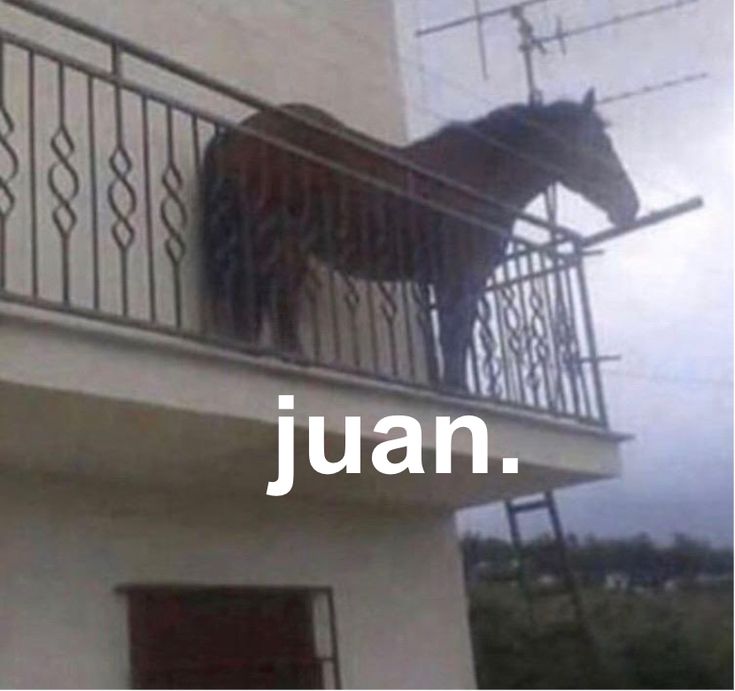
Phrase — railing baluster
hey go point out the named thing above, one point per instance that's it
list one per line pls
(173, 216)
(489, 342)
(469, 241)
(93, 201)
(502, 339)
(566, 340)
(601, 413)
(348, 250)
(402, 259)
(196, 187)
(531, 379)
(330, 232)
(307, 221)
(422, 237)
(9, 171)
(122, 199)
(223, 259)
(32, 163)
(247, 256)
(369, 259)
(514, 330)
(148, 202)
(63, 182)
(544, 332)
(576, 354)
(553, 290)
(387, 288)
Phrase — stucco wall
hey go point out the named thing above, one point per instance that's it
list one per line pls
(334, 54)
(66, 546)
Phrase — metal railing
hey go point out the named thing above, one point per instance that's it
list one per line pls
(100, 176)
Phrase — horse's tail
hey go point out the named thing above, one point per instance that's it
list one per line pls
(229, 262)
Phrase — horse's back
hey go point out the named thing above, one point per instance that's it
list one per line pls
(298, 136)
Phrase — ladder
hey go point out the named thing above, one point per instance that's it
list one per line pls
(574, 625)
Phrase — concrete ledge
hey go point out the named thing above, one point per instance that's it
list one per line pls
(103, 400)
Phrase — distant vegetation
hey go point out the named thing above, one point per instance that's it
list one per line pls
(661, 615)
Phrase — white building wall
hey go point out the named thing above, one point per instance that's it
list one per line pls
(399, 601)
(336, 55)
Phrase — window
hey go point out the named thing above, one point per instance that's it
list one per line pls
(204, 637)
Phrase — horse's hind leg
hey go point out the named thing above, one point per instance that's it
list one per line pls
(248, 301)
(287, 284)
(457, 311)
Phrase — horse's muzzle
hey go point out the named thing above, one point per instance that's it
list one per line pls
(623, 218)
(625, 209)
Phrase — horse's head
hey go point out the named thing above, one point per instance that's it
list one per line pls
(586, 160)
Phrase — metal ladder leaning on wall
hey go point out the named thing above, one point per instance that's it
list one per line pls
(562, 596)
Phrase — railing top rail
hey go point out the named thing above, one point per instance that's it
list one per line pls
(218, 120)
(193, 75)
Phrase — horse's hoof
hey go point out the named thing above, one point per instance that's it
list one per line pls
(455, 388)
(294, 356)
(290, 351)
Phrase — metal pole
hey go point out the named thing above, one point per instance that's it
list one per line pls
(644, 221)
(591, 341)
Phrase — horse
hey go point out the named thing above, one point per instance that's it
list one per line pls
(285, 186)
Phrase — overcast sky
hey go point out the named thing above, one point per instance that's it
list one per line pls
(663, 296)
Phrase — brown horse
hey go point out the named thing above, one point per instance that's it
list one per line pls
(268, 207)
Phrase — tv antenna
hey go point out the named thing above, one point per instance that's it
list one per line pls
(533, 44)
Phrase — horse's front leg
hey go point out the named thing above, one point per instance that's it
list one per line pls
(288, 282)
(457, 311)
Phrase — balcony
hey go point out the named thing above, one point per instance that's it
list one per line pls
(110, 329)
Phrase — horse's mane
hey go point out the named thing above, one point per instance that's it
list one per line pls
(509, 123)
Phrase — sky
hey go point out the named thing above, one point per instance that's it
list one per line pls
(662, 297)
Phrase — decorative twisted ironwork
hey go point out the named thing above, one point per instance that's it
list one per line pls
(174, 216)
(63, 182)
(122, 199)
(12, 164)
(173, 213)
(538, 347)
(567, 352)
(491, 368)
(389, 310)
(513, 333)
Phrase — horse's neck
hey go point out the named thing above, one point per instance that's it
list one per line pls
(503, 166)
(518, 181)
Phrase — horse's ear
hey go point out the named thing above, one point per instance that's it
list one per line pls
(589, 99)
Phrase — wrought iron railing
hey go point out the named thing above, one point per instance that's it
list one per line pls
(99, 216)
